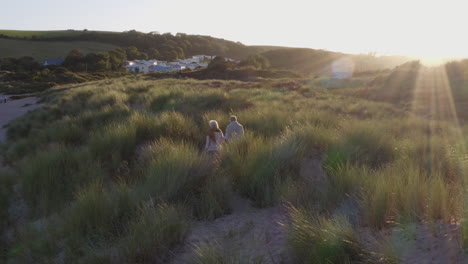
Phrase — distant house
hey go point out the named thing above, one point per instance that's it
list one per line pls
(160, 68)
(191, 66)
(140, 66)
(145, 66)
(177, 67)
(49, 62)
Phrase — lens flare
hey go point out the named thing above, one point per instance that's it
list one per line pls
(342, 68)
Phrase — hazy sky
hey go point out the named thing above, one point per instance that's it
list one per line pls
(409, 27)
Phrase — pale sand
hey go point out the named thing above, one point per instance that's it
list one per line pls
(249, 235)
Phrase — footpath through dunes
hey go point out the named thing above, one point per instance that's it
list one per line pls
(14, 109)
(247, 235)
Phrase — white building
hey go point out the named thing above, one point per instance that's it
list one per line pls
(143, 66)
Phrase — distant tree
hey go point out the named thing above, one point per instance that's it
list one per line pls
(23, 64)
(75, 60)
(257, 61)
(169, 55)
(184, 45)
(27, 64)
(143, 56)
(132, 53)
(98, 62)
(154, 53)
(180, 52)
(116, 58)
(219, 64)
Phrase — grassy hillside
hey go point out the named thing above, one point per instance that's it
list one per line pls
(114, 171)
(51, 49)
(310, 61)
(43, 33)
(169, 47)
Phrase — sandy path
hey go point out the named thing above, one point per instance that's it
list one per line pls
(14, 109)
(249, 235)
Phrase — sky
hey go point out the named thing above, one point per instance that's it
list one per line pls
(396, 27)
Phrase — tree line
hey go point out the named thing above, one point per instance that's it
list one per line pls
(164, 46)
(78, 61)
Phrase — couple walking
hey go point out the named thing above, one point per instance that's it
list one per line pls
(215, 136)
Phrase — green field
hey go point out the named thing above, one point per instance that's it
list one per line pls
(41, 50)
(44, 33)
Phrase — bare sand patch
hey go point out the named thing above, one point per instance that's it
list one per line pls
(249, 234)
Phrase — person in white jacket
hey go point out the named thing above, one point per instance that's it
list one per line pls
(234, 130)
(214, 139)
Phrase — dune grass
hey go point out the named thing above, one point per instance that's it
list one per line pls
(119, 165)
(316, 239)
(156, 229)
(51, 179)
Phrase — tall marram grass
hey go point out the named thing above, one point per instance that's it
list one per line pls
(118, 141)
(362, 145)
(214, 254)
(316, 239)
(72, 153)
(98, 215)
(407, 193)
(50, 179)
(176, 171)
(6, 188)
(400, 192)
(157, 228)
(261, 167)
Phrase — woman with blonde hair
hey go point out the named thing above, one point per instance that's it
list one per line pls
(214, 139)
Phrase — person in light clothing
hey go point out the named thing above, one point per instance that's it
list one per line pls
(234, 130)
(214, 139)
